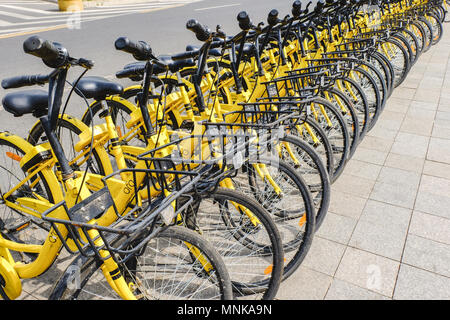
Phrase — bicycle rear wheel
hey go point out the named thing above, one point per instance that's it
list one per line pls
(19, 211)
(245, 236)
(284, 194)
(165, 270)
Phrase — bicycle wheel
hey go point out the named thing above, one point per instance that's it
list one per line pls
(165, 270)
(342, 103)
(373, 94)
(316, 138)
(417, 29)
(413, 42)
(399, 58)
(283, 193)
(368, 70)
(333, 123)
(406, 45)
(376, 61)
(245, 236)
(356, 95)
(19, 213)
(436, 26)
(427, 32)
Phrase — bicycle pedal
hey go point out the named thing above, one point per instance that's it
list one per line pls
(18, 227)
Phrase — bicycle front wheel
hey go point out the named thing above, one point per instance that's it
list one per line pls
(177, 264)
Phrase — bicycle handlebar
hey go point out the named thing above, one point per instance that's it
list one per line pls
(23, 81)
(244, 21)
(52, 53)
(140, 50)
(201, 32)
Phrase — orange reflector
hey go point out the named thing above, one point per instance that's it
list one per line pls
(13, 156)
(269, 269)
(302, 220)
(22, 226)
(119, 131)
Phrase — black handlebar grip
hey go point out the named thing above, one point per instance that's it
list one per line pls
(141, 51)
(53, 54)
(319, 6)
(186, 55)
(130, 72)
(272, 19)
(244, 21)
(22, 81)
(201, 32)
(297, 8)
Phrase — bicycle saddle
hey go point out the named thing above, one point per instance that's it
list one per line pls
(135, 70)
(97, 88)
(175, 66)
(211, 52)
(33, 101)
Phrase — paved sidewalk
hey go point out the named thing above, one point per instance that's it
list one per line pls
(387, 235)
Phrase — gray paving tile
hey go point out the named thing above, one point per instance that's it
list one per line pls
(363, 169)
(418, 284)
(337, 228)
(367, 270)
(398, 104)
(418, 126)
(382, 230)
(433, 204)
(342, 290)
(442, 115)
(444, 103)
(383, 133)
(324, 256)
(424, 105)
(371, 156)
(412, 82)
(442, 122)
(437, 169)
(430, 226)
(439, 150)
(309, 285)
(427, 254)
(410, 145)
(404, 93)
(347, 204)
(427, 95)
(435, 185)
(395, 194)
(431, 82)
(399, 176)
(355, 185)
(375, 143)
(440, 131)
(390, 120)
(418, 112)
(405, 162)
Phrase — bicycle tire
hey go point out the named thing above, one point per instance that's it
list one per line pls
(92, 282)
(292, 210)
(253, 254)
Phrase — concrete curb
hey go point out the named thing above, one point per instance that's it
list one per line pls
(100, 3)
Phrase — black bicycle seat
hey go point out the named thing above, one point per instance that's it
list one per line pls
(33, 101)
(97, 88)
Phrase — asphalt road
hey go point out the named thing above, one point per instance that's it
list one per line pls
(164, 30)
